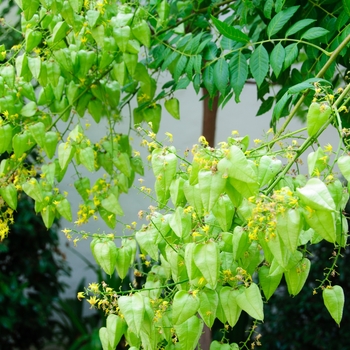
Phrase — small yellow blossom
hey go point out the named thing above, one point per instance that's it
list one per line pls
(92, 301)
(81, 295)
(169, 136)
(328, 148)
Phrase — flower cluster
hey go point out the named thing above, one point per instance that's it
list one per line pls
(263, 221)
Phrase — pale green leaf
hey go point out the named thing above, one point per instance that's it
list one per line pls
(228, 300)
(189, 333)
(297, 275)
(333, 298)
(251, 302)
(185, 305)
(207, 259)
(133, 309)
(316, 195)
(209, 300)
(211, 185)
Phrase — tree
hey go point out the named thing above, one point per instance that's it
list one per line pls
(240, 218)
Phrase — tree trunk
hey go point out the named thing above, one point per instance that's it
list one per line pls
(209, 118)
(208, 131)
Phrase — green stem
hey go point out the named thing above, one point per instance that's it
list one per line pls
(161, 287)
(320, 74)
(187, 18)
(309, 141)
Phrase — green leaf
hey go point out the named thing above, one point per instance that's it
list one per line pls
(189, 333)
(207, 259)
(208, 80)
(299, 26)
(103, 334)
(236, 166)
(316, 195)
(228, 301)
(133, 309)
(323, 222)
(344, 166)
(112, 205)
(277, 111)
(223, 211)
(307, 84)
(180, 67)
(268, 168)
(346, 4)
(64, 209)
(221, 75)
(59, 31)
(181, 223)
(240, 242)
(279, 20)
(164, 165)
(33, 39)
(30, 8)
(259, 64)
(314, 33)
(333, 298)
(291, 55)
(317, 116)
(211, 185)
(105, 253)
(65, 154)
(148, 241)
(239, 73)
(193, 196)
(267, 282)
(173, 107)
(5, 137)
(9, 195)
(229, 31)
(289, 225)
(317, 162)
(33, 190)
(278, 249)
(21, 143)
(116, 327)
(142, 33)
(266, 106)
(185, 305)
(297, 276)
(268, 8)
(29, 109)
(277, 58)
(251, 302)
(209, 300)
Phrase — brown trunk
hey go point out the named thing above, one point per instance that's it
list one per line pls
(208, 131)
(209, 118)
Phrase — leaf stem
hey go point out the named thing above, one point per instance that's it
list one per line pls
(320, 74)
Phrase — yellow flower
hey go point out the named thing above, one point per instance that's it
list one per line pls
(92, 301)
(94, 287)
(170, 136)
(328, 148)
(81, 295)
